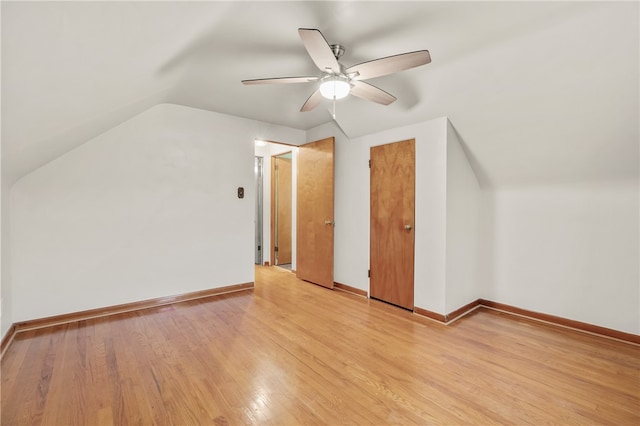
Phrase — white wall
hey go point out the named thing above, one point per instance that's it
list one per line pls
(149, 209)
(566, 250)
(352, 206)
(569, 250)
(463, 192)
(6, 301)
(145, 210)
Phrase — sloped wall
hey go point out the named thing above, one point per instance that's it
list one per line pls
(145, 210)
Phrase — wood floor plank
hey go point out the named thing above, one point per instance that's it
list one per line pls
(290, 352)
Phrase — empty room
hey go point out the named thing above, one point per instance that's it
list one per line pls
(331, 212)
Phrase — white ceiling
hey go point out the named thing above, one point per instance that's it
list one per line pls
(539, 92)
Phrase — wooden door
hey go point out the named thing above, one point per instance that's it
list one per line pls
(281, 209)
(392, 222)
(283, 174)
(314, 236)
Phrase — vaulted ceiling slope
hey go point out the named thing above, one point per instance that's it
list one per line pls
(539, 92)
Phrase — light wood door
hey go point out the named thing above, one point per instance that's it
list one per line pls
(281, 209)
(314, 236)
(283, 174)
(392, 222)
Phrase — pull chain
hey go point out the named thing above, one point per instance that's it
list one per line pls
(334, 108)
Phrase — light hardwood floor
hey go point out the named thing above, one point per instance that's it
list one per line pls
(292, 353)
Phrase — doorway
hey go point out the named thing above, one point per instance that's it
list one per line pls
(312, 241)
(392, 223)
(281, 209)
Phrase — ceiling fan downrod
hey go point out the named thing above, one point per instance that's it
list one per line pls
(338, 50)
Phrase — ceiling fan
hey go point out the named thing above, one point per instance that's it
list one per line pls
(336, 81)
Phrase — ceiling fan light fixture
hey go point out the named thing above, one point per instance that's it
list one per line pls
(335, 87)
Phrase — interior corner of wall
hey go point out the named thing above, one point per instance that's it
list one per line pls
(449, 124)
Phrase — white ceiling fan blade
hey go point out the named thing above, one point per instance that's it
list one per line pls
(319, 50)
(371, 93)
(313, 101)
(389, 65)
(280, 80)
